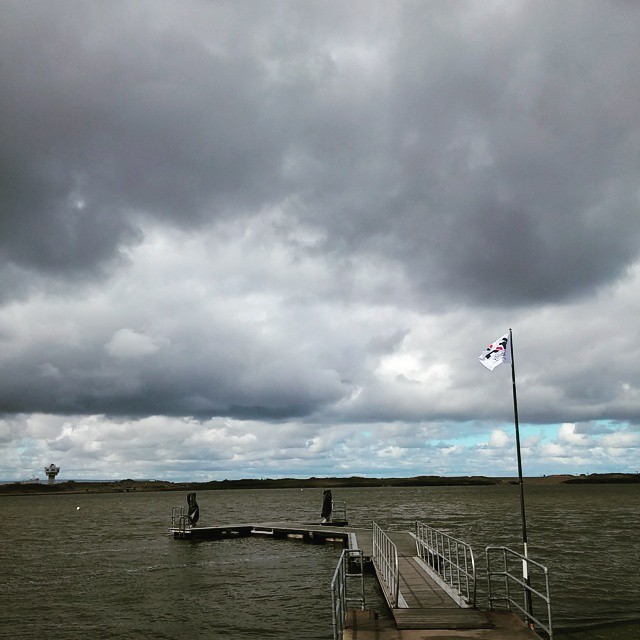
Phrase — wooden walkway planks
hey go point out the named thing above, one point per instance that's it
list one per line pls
(364, 541)
(419, 589)
(504, 625)
(405, 543)
(440, 618)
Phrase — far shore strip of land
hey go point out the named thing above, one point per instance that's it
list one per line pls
(130, 485)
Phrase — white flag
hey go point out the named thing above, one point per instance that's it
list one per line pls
(496, 353)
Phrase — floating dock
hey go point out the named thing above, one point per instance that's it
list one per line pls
(427, 578)
(311, 532)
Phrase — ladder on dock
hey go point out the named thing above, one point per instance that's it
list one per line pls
(347, 588)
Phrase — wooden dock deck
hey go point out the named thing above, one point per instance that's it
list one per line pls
(425, 610)
(310, 532)
(504, 625)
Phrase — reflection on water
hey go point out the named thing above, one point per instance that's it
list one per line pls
(110, 569)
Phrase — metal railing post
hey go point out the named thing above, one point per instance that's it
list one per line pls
(385, 557)
(450, 559)
(341, 594)
(517, 580)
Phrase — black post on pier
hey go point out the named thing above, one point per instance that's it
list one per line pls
(525, 567)
(194, 509)
(327, 506)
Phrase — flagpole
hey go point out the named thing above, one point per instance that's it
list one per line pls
(525, 567)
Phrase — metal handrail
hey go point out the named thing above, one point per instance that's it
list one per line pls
(176, 512)
(180, 519)
(339, 510)
(385, 558)
(450, 558)
(350, 566)
(517, 580)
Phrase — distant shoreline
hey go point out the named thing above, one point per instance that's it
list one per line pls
(129, 485)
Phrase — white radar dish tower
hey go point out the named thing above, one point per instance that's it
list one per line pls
(52, 471)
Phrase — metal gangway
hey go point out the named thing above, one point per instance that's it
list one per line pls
(429, 581)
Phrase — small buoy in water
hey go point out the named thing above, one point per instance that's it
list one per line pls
(77, 508)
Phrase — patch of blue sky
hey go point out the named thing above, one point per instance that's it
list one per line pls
(475, 437)
(468, 440)
(544, 431)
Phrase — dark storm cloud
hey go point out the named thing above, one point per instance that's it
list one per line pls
(105, 117)
(492, 151)
(343, 169)
(517, 144)
(210, 370)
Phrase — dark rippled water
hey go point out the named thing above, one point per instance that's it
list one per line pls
(110, 570)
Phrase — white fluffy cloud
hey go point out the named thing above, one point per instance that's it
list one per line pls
(126, 343)
(175, 448)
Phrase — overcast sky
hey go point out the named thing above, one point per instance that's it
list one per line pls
(270, 238)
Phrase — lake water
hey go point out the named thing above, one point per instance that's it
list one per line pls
(110, 569)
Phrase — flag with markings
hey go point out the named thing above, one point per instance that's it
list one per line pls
(496, 353)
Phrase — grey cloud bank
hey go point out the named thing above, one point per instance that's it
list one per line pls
(298, 224)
